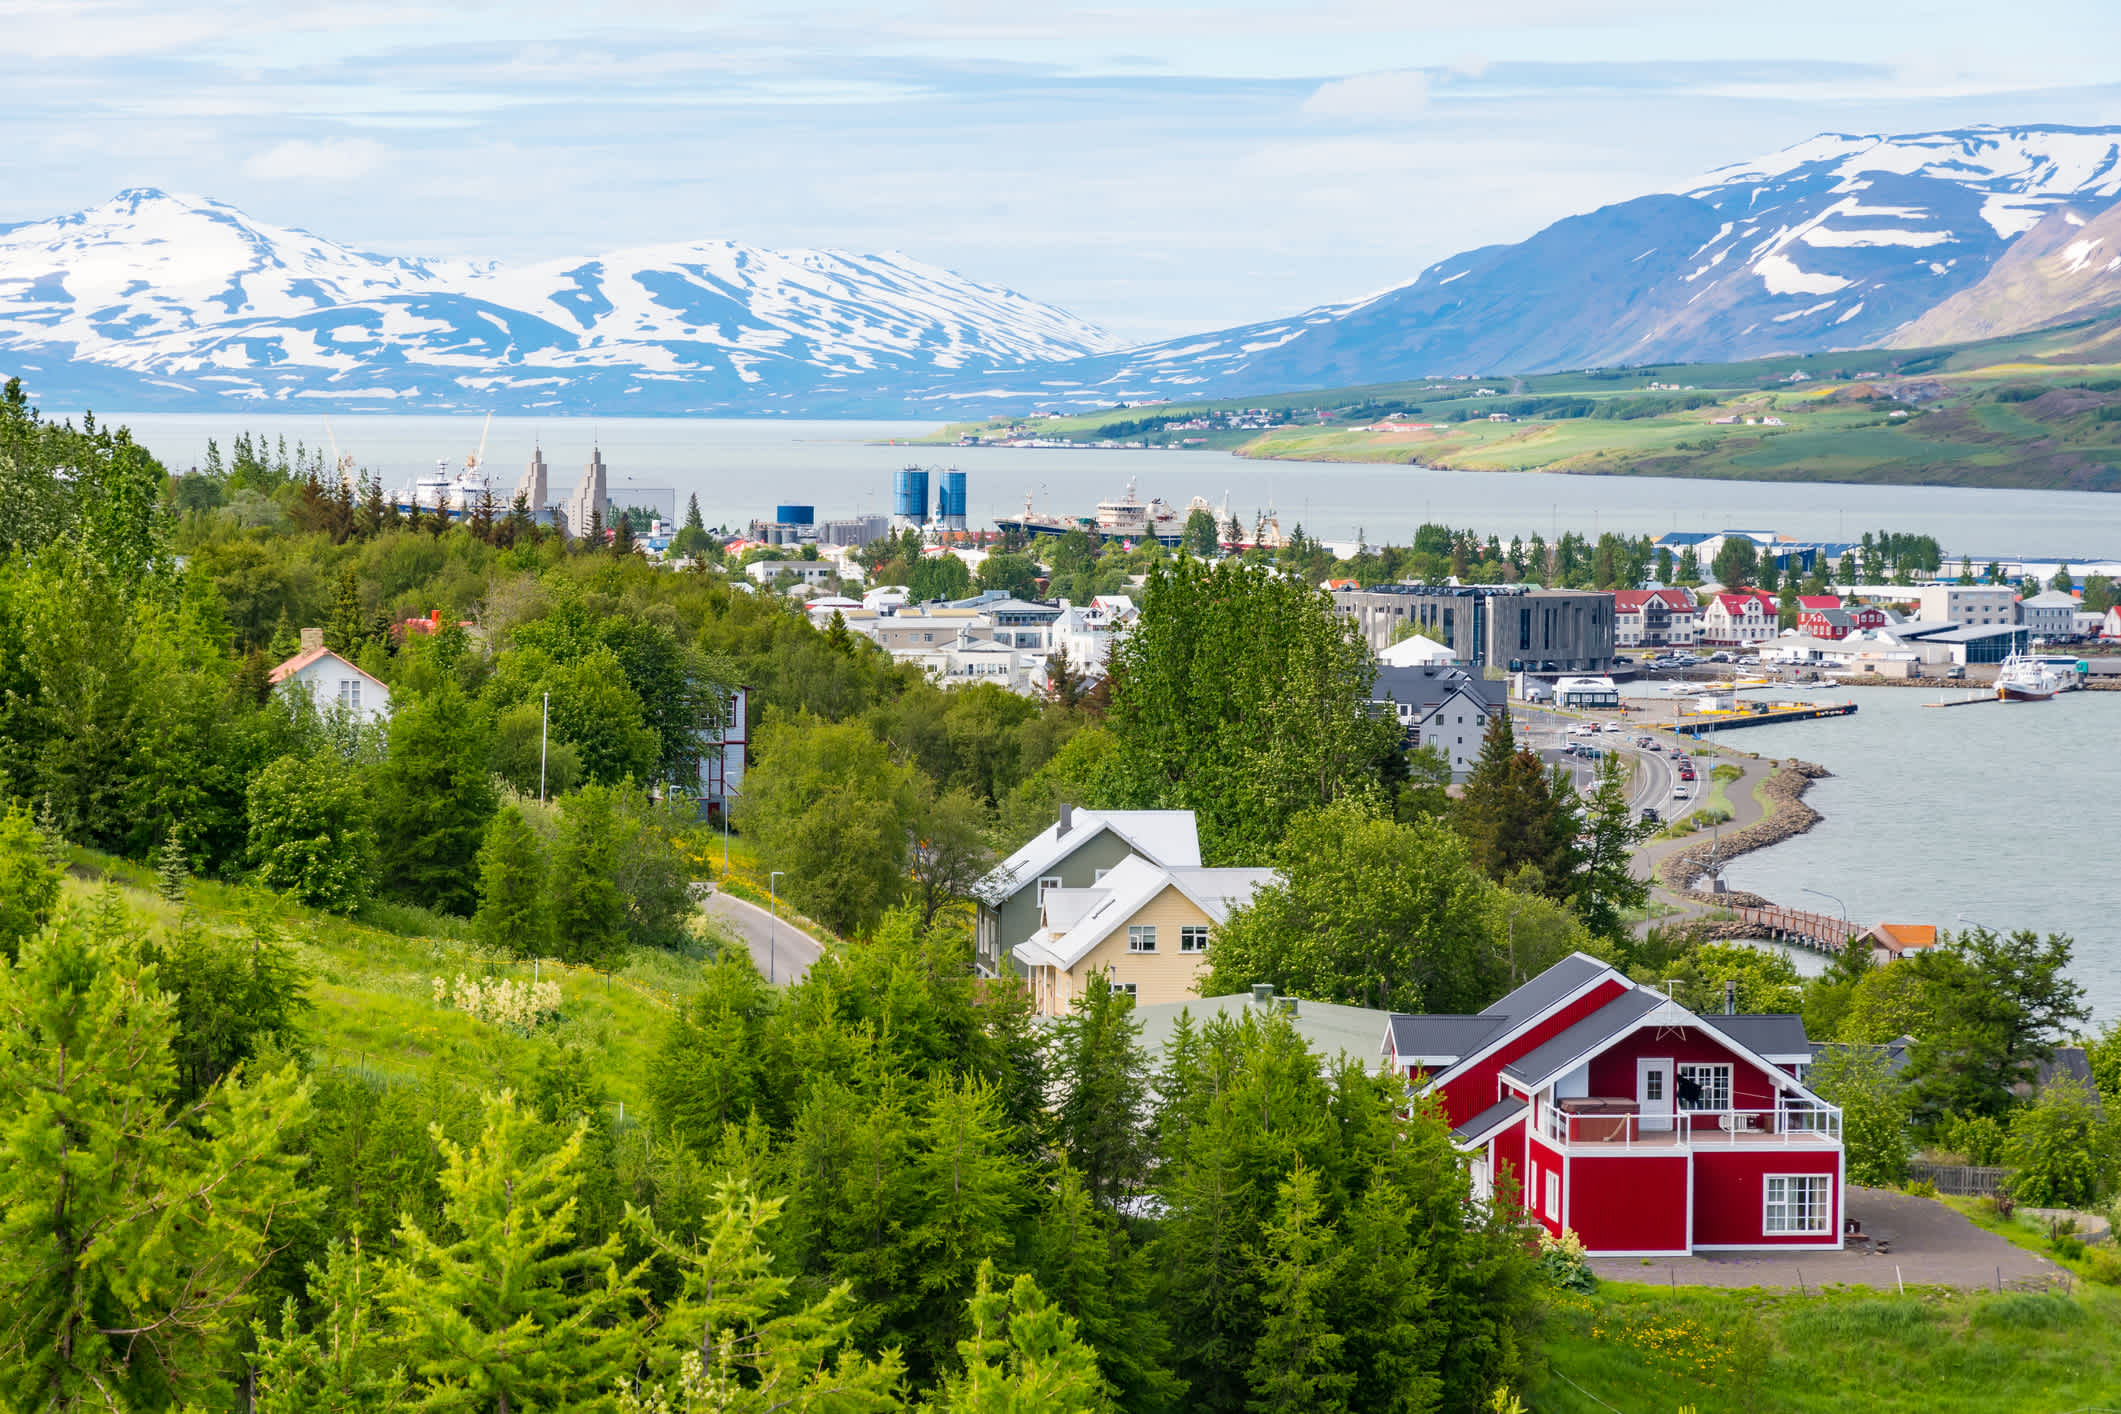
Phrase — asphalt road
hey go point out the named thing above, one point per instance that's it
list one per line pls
(781, 951)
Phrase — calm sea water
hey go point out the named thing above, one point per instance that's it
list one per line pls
(742, 469)
(1994, 815)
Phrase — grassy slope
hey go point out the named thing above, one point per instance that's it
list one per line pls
(372, 989)
(1641, 1349)
(1837, 427)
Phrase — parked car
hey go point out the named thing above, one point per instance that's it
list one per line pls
(1650, 816)
(1719, 657)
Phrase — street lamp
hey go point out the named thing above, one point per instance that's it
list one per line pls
(773, 925)
(1822, 893)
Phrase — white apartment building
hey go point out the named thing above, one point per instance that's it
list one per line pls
(1969, 605)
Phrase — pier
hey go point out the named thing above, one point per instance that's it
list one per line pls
(1821, 932)
(1696, 723)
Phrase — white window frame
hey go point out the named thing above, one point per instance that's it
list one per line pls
(1554, 1195)
(1047, 883)
(1532, 1178)
(1193, 938)
(350, 693)
(1780, 1212)
(1141, 937)
(1694, 1070)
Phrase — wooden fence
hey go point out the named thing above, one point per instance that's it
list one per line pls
(1958, 1180)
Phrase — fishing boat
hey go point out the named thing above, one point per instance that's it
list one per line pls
(2026, 680)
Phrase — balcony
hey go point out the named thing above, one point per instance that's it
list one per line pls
(1607, 1125)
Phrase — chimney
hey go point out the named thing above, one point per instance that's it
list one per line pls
(1263, 994)
(1288, 1006)
(312, 639)
(1730, 996)
(1067, 820)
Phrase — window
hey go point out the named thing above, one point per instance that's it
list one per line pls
(1554, 1195)
(1125, 989)
(1046, 882)
(1798, 1202)
(349, 692)
(1712, 1087)
(1099, 877)
(1141, 937)
(1193, 938)
(1532, 1180)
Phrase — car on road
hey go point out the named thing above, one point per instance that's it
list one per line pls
(1681, 792)
(1647, 743)
(1650, 816)
(1719, 657)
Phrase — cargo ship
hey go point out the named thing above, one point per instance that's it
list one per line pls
(1129, 518)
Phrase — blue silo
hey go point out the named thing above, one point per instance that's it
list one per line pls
(909, 495)
(795, 515)
(952, 505)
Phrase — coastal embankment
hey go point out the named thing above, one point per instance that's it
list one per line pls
(1786, 815)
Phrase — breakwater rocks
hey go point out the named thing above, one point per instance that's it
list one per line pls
(1787, 815)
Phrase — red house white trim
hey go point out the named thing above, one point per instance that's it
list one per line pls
(1647, 1129)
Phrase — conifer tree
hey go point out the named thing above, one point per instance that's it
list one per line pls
(433, 798)
(622, 536)
(342, 1362)
(588, 915)
(507, 1307)
(1023, 1356)
(348, 624)
(1102, 1075)
(30, 870)
(1085, 1262)
(513, 915)
(970, 1187)
(1606, 886)
(1516, 813)
(1296, 1366)
(172, 869)
(692, 513)
(132, 1229)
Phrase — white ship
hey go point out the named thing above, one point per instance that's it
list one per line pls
(2027, 680)
(452, 490)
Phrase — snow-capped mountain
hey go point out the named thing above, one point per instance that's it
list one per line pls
(1835, 242)
(188, 301)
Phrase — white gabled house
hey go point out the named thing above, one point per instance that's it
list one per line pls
(332, 682)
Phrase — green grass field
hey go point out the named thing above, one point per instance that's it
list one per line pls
(1645, 1350)
(372, 988)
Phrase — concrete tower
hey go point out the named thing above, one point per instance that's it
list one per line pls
(533, 487)
(587, 503)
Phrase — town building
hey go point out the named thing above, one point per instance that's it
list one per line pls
(1440, 705)
(1647, 1129)
(725, 751)
(1586, 692)
(1509, 626)
(333, 683)
(1970, 605)
(1889, 942)
(1077, 850)
(1087, 632)
(1824, 616)
(1413, 651)
(1655, 618)
(1145, 926)
(2051, 616)
(1737, 619)
(809, 572)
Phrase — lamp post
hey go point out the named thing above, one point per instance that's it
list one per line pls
(773, 926)
(1821, 893)
(544, 730)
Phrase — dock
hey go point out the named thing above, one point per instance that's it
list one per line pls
(1696, 723)
(1967, 701)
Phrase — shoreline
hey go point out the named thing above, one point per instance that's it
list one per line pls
(1787, 815)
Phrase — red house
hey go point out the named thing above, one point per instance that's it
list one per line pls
(1614, 1112)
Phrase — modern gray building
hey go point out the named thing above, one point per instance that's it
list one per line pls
(1507, 626)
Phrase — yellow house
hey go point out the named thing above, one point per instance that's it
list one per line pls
(1146, 926)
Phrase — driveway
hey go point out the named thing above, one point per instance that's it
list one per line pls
(1926, 1244)
(781, 951)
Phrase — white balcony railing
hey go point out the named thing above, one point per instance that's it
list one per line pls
(1788, 1125)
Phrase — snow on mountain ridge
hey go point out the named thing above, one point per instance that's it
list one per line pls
(185, 287)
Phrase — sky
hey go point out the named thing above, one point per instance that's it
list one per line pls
(1155, 168)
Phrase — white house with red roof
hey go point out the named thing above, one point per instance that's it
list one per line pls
(1655, 618)
(1736, 619)
(332, 682)
(1609, 1110)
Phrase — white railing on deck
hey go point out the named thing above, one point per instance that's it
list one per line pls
(1787, 1125)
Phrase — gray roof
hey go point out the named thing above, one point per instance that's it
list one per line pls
(1477, 1129)
(1767, 1035)
(1452, 1036)
(1894, 1053)
(1547, 988)
(1426, 685)
(1584, 1037)
(1327, 1027)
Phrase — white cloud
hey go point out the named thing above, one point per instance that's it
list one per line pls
(1397, 93)
(335, 159)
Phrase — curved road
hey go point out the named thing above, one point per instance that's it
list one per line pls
(781, 951)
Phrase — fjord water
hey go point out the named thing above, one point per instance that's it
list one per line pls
(742, 469)
(1993, 815)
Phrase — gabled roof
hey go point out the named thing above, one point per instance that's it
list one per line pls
(1584, 1039)
(1629, 601)
(1169, 837)
(1438, 1040)
(1450, 1040)
(1079, 919)
(316, 655)
(1734, 601)
(1776, 1036)
(1903, 937)
(1819, 601)
(1490, 1121)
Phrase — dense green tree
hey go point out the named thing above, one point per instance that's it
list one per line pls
(949, 854)
(1298, 1363)
(1998, 1007)
(1886, 1004)
(1370, 913)
(1874, 1111)
(30, 871)
(716, 1065)
(1198, 538)
(507, 1307)
(1519, 817)
(1082, 1257)
(2063, 1149)
(514, 916)
(122, 1210)
(1101, 1078)
(312, 833)
(968, 1190)
(1766, 979)
(941, 576)
(1022, 1356)
(433, 799)
(1013, 574)
(588, 910)
(1241, 696)
(342, 1363)
(235, 1000)
(829, 808)
(1606, 885)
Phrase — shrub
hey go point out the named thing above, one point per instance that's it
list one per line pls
(1920, 1188)
(312, 835)
(520, 1006)
(1562, 1262)
(2060, 1148)
(1978, 1137)
(2103, 1265)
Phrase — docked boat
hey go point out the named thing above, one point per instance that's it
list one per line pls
(2027, 680)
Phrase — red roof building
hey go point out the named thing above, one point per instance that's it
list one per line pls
(1609, 1110)
(1738, 618)
(1655, 618)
